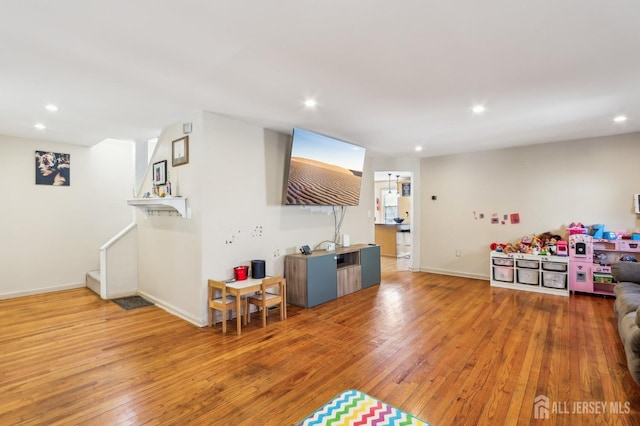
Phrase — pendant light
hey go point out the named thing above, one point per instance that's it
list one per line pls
(398, 185)
(389, 183)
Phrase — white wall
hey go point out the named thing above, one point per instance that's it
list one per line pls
(169, 247)
(52, 235)
(244, 216)
(550, 185)
(234, 184)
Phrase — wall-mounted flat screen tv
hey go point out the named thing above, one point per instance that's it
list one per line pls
(323, 171)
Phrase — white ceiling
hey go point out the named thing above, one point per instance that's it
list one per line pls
(386, 75)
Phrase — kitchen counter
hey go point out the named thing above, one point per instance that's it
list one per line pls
(403, 227)
(386, 237)
(400, 227)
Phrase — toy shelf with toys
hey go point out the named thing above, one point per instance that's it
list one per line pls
(537, 263)
(530, 272)
(547, 264)
(591, 255)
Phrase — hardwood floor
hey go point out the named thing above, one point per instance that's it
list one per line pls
(393, 264)
(452, 351)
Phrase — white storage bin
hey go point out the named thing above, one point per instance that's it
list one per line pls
(554, 280)
(501, 261)
(526, 276)
(501, 273)
(532, 264)
(554, 266)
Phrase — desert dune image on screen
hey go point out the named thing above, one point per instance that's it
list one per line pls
(324, 171)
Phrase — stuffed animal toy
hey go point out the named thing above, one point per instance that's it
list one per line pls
(552, 244)
(509, 248)
(545, 237)
(499, 247)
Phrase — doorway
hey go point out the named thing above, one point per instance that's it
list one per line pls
(393, 199)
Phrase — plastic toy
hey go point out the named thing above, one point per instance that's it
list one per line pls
(562, 248)
(577, 228)
(495, 246)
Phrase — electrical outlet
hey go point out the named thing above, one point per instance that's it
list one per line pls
(458, 253)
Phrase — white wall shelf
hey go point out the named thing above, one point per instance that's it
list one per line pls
(171, 204)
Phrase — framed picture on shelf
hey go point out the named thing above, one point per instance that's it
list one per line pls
(160, 173)
(180, 151)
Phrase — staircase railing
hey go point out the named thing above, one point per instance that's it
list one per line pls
(119, 264)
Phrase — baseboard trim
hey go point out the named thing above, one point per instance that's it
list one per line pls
(173, 310)
(41, 290)
(455, 273)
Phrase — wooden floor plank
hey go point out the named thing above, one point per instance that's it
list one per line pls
(449, 350)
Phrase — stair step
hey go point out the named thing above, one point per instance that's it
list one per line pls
(92, 281)
(94, 274)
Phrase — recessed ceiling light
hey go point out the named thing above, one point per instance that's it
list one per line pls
(620, 119)
(418, 148)
(478, 109)
(310, 103)
(51, 107)
(40, 126)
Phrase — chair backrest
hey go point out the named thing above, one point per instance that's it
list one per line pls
(270, 283)
(217, 286)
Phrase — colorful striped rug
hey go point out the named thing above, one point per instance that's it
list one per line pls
(356, 408)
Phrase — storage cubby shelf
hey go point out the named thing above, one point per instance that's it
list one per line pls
(541, 274)
(172, 204)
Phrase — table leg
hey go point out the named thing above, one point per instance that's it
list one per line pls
(283, 291)
(238, 316)
(209, 313)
